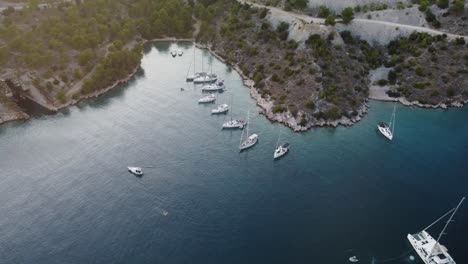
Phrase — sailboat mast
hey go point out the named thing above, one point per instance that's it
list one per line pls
(277, 141)
(248, 122)
(393, 117)
(446, 224)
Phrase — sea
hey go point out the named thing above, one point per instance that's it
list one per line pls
(66, 195)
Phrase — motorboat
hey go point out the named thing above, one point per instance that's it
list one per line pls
(135, 170)
(180, 53)
(207, 99)
(221, 109)
(281, 150)
(174, 53)
(353, 259)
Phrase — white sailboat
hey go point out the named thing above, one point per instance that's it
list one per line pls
(203, 77)
(234, 123)
(251, 140)
(215, 87)
(280, 150)
(190, 78)
(221, 109)
(429, 249)
(387, 130)
(207, 99)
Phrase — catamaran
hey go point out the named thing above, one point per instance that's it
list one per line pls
(135, 170)
(251, 140)
(281, 150)
(207, 99)
(430, 250)
(387, 130)
(221, 109)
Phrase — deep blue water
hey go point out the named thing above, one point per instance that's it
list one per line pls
(66, 196)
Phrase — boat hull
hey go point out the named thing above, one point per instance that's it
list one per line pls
(385, 132)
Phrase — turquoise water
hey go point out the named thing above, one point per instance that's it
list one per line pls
(67, 198)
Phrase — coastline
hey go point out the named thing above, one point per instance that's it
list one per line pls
(286, 118)
(266, 104)
(19, 115)
(383, 97)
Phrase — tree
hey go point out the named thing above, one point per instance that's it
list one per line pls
(443, 3)
(324, 12)
(458, 6)
(330, 20)
(347, 14)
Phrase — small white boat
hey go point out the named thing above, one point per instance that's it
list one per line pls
(353, 259)
(135, 170)
(221, 109)
(429, 249)
(174, 53)
(207, 99)
(233, 124)
(281, 150)
(387, 130)
(180, 53)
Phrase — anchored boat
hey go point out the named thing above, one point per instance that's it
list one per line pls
(135, 170)
(387, 130)
(429, 249)
(251, 140)
(207, 99)
(221, 109)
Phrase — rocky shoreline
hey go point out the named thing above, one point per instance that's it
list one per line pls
(266, 104)
(402, 100)
(287, 118)
(19, 115)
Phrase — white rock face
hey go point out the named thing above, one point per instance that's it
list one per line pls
(301, 28)
(408, 16)
(338, 5)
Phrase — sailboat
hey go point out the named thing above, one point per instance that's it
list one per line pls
(281, 150)
(203, 77)
(387, 130)
(190, 78)
(221, 109)
(430, 250)
(234, 123)
(251, 140)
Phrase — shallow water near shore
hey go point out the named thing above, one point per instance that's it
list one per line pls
(67, 197)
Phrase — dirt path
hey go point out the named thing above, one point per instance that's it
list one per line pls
(317, 20)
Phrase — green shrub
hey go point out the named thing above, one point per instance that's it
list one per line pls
(419, 70)
(324, 12)
(330, 21)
